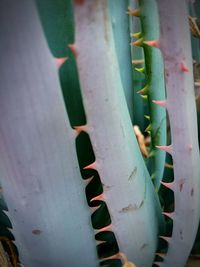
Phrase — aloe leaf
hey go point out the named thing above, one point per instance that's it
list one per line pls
(121, 31)
(58, 22)
(127, 188)
(176, 48)
(40, 177)
(140, 107)
(154, 88)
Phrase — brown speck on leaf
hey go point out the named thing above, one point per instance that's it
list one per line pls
(128, 208)
(181, 234)
(192, 192)
(144, 246)
(181, 183)
(133, 173)
(131, 207)
(181, 186)
(36, 232)
(142, 202)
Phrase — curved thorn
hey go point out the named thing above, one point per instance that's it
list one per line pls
(91, 166)
(162, 255)
(88, 180)
(138, 42)
(168, 149)
(141, 70)
(137, 61)
(147, 117)
(145, 97)
(99, 197)
(73, 49)
(153, 43)
(169, 166)
(169, 214)
(162, 103)
(81, 128)
(148, 129)
(136, 35)
(104, 229)
(157, 263)
(133, 12)
(99, 242)
(144, 91)
(60, 61)
(168, 185)
(95, 208)
(184, 68)
(153, 176)
(166, 238)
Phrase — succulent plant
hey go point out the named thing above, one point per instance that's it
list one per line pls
(76, 189)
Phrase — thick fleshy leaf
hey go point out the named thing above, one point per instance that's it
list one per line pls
(40, 177)
(140, 107)
(121, 31)
(128, 191)
(156, 87)
(176, 48)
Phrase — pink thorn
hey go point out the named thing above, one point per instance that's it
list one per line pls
(60, 61)
(93, 209)
(99, 197)
(169, 214)
(157, 263)
(91, 166)
(168, 149)
(105, 229)
(166, 238)
(162, 255)
(73, 49)
(139, 42)
(162, 103)
(81, 128)
(184, 68)
(99, 242)
(153, 43)
(115, 256)
(168, 185)
(88, 180)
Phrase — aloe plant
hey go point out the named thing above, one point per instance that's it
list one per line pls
(76, 188)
